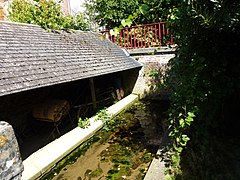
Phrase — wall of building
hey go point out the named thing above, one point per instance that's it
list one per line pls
(1, 13)
(65, 7)
(4, 4)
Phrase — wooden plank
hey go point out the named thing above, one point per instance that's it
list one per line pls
(93, 93)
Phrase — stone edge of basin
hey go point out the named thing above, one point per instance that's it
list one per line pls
(156, 170)
(45, 158)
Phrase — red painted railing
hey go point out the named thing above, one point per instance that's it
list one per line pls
(142, 36)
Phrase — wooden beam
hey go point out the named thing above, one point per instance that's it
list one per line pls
(93, 93)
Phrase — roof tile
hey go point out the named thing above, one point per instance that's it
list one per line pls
(31, 57)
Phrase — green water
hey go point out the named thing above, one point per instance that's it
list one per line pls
(133, 140)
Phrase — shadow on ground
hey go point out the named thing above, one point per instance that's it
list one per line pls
(40, 133)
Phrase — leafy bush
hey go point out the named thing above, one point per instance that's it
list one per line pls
(111, 13)
(205, 74)
(83, 123)
(46, 13)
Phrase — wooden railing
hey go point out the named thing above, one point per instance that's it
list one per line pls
(142, 36)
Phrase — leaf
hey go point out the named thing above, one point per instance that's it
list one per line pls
(177, 139)
(123, 22)
(185, 138)
(191, 114)
(175, 158)
(184, 108)
(171, 134)
(168, 171)
(168, 177)
(114, 32)
(181, 122)
(103, 36)
(178, 149)
(176, 130)
(127, 22)
(144, 9)
(189, 120)
(183, 143)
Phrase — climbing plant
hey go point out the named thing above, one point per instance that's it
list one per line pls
(46, 13)
(204, 77)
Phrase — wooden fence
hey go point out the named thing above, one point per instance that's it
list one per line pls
(142, 36)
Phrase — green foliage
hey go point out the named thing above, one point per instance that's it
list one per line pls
(46, 13)
(102, 115)
(111, 13)
(156, 10)
(204, 76)
(76, 22)
(106, 118)
(83, 123)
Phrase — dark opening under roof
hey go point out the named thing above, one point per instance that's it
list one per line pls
(31, 57)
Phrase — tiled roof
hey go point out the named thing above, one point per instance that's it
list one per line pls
(31, 57)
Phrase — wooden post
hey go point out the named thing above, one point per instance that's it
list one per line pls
(93, 93)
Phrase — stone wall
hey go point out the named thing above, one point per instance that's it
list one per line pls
(144, 82)
(11, 165)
